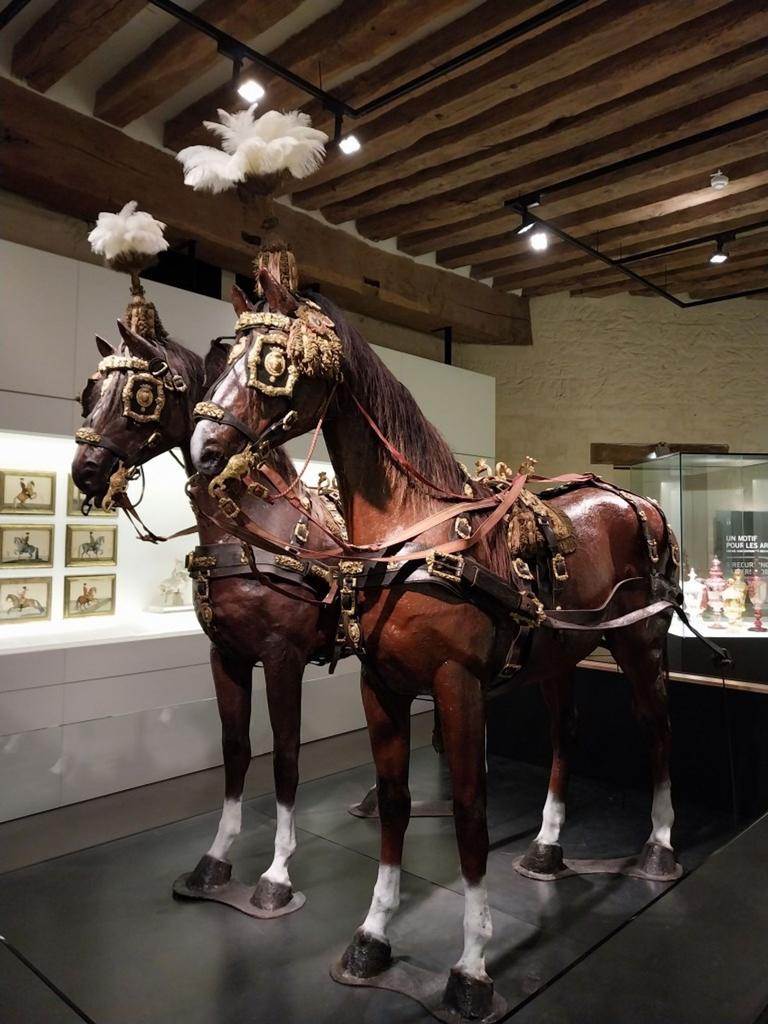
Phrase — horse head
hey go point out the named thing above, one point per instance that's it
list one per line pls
(280, 376)
(136, 405)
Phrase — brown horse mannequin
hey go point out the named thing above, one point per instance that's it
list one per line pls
(417, 640)
(252, 624)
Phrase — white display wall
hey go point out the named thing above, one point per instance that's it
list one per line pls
(107, 703)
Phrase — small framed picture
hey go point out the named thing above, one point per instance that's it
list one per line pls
(88, 595)
(25, 600)
(91, 545)
(27, 493)
(75, 499)
(26, 545)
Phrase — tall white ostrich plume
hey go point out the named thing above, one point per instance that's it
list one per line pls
(260, 147)
(128, 236)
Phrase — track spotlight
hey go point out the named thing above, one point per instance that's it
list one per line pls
(250, 90)
(539, 240)
(719, 255)
(526, 223)
(349, 144)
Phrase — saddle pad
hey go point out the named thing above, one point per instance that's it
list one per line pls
(524, 537)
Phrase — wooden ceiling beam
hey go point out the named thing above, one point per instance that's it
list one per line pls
(677, 281)
(617, 128)
(180, 55)
(553, 77)
(326, 52)
(472, 28)
(708, 94)
(625, 204)
(669, 235)
(79, 166)
(65, 35)
(593, 273)
(745, 283)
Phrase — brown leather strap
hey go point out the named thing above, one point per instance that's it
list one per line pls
(124, 502)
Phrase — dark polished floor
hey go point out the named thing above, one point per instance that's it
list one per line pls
(101, 927)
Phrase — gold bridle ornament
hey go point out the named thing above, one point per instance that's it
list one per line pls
(289, 348)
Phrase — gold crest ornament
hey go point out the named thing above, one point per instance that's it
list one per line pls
(289, 348)
(143, 397)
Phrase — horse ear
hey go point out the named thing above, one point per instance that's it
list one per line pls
(215, 361)
(240, 300)
(105, 349)
(279, 298)
(136, 344)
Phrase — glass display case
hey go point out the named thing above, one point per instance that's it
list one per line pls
(718, 507)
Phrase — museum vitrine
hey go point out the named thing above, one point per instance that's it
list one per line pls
(718, 507)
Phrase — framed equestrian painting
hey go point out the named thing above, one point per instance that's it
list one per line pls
(25, 600)
(91, 545)
(88, 595)
(75, 499)
(22, 545)
(27, 493)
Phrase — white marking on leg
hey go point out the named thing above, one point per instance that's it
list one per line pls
(285, 844)
(229, 828)
(662, 815)
(478, 929)
(386, 900)
(552, 820)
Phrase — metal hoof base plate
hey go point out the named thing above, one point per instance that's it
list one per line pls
(236, 895)
(629, 866)
(426, 987)
(368, 807)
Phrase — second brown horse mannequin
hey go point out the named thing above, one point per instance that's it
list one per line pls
(252, 624)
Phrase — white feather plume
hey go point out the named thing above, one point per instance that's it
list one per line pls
(253, 147)
(130, 231)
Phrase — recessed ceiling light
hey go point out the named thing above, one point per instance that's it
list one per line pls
(539, 240)
(250, 90)
(349, 144)
(719, 180)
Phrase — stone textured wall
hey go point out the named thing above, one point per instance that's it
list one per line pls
(628, 369)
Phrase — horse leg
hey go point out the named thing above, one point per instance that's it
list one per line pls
(232, 679)
(461, 706)
(640, 655)
(544, 857)
(388, 716)
(283, 676)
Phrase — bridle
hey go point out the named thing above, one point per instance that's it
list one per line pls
(143, 400)
(278, 350)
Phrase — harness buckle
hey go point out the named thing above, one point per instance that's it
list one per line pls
(228, 506)
(559, 568)
(521, 569)
(301, 532)
(462, 527)
(653, 550)
(445, 565)
(258, 490)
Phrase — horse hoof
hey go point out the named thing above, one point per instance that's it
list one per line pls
(470, 998)
(658, 863)
(545, 859)
(209, 873)
(269, 895)
(366, 956)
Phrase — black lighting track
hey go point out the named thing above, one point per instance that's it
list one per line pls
(522, 205)
(620, 265)
(10, 11)
(237, 50)
(690, 243)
